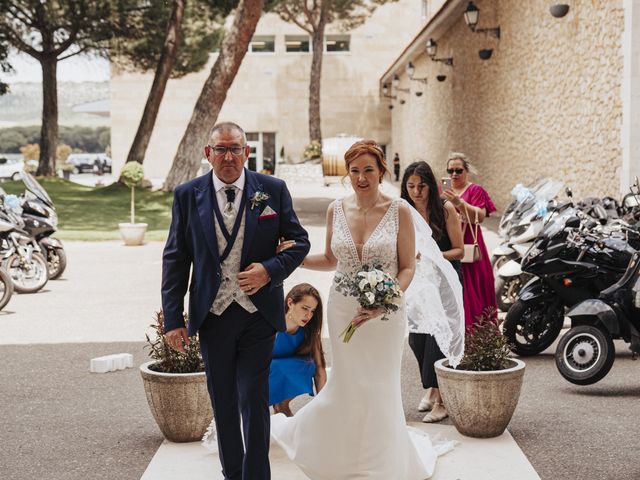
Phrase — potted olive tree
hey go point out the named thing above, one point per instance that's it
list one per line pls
(176, 387)
(481, 394)
(132, 233)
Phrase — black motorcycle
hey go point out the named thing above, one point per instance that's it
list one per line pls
(585, 354)
(41, 222)
(566, 273)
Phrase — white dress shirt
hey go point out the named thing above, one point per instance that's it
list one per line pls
(221, 196)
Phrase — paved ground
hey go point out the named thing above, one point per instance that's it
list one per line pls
(57, 421)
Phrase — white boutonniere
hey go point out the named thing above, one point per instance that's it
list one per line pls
(258, 197)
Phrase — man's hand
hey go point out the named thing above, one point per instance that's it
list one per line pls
(254, 277)
(177, 338)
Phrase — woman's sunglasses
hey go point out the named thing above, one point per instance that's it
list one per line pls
(457, 171)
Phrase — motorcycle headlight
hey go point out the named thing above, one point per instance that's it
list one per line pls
(531, 253)
(53, 218)
(38, 208)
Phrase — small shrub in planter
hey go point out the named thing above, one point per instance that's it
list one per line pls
(168, 360)
(485, 347)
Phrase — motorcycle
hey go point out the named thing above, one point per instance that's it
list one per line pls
(586, 353)
(527, 221)
(565, 272)
(20, 253)
(41, 222)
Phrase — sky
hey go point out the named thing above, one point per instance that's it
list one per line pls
(75, 69)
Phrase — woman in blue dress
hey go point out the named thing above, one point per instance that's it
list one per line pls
(298, 360)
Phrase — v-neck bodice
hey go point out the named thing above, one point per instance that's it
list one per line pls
(379, 249)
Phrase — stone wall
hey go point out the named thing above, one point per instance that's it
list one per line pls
(547, 103)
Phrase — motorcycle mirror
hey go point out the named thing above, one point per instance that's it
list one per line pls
(568, 192)
(573, 222)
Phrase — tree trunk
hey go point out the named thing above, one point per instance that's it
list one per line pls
(163, 72)
(214, 92)
(49, 130)
(315, 78)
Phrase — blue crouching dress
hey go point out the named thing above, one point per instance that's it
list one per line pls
(290, 374)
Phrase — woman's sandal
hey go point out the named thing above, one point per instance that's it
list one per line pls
(433, 418)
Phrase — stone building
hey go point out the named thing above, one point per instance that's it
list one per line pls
(557, 97)
(269, 96)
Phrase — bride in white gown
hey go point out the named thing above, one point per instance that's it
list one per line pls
(355, 427)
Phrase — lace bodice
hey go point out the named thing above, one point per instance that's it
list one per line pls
(379, 249)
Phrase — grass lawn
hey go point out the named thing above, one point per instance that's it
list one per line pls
(87, 213)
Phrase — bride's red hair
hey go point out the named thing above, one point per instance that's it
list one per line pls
(366, 147)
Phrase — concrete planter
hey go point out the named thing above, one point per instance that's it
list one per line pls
(480, 404)
(133, 233)
(179, 403)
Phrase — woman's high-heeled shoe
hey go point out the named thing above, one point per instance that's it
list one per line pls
(425, 404)
(434, 418)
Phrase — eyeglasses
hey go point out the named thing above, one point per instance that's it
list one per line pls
(457, 171)
(220, 151)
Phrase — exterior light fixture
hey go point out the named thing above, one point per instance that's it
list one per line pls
(418, 94)
(432, 50)
(395, 81)
(441, 78)
(390, 107)
(471, 16)
(411, 70)
(485, 53)
(402, 102)
(559, 10)
(385, 89)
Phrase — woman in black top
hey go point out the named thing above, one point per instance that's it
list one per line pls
(420, 189)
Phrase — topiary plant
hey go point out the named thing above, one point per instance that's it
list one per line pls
(485, 349)
(312, 150)
(131, 175)
(167, 359)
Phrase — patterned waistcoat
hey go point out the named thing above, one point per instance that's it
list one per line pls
(229, 289)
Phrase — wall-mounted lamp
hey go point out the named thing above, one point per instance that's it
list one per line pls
(411, 70)
(385, 92)
(432, 49)
(395, 82)
(402, 102)
(390, 107)
(471, 16)
(441, 78)
(559, 10)
(485, 53)
(418, 94)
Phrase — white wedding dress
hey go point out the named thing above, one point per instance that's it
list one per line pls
(355, 427)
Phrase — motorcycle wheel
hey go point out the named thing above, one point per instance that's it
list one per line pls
(507, 291)
(585, 354)
(56, 262)
(27, 279)
(531, 328)
(6, 288)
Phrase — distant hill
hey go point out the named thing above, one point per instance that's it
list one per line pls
(23, 104)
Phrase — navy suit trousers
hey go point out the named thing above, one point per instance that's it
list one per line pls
(237, 347)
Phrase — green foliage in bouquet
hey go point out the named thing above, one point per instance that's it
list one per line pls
(485, 349)
(167, 359)
(312, 150)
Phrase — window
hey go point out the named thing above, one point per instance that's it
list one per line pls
(337, 43)
(297, 43)
(262, 44)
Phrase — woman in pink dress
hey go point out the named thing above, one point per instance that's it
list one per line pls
(474, 205)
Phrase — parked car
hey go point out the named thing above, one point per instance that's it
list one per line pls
(11, 168)
(90, 163)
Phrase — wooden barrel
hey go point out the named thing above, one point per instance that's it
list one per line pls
(333, 166)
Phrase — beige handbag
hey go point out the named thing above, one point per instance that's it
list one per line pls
(471, 250)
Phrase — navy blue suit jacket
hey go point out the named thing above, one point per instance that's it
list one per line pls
(192, 245)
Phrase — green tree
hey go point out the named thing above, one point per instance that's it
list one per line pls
(11, 141)
(214, 92)
(174, 38)
(313, 17)
(4, 66)
(51, 31)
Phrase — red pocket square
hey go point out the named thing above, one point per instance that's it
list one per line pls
(268, 212)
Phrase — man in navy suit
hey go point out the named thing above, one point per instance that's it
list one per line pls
(225, 228)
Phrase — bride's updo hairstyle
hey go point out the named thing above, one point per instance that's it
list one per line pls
(366, 147)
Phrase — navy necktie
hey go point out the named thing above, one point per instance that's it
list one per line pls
(230, 192)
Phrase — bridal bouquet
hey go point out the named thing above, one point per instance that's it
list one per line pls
(373, 288)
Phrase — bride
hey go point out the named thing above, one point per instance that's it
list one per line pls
(355, 427)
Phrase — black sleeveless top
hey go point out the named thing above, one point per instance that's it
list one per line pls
(444, 244)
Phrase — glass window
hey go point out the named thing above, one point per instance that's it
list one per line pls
(337, 43)
(297, 43)
(263, 44)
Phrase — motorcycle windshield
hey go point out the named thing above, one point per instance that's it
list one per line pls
(537, 198)
(557, 224)
(34, 187)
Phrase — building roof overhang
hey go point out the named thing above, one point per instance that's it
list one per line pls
(451, 12)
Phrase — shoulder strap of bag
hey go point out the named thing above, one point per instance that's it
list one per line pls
(474, 230)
